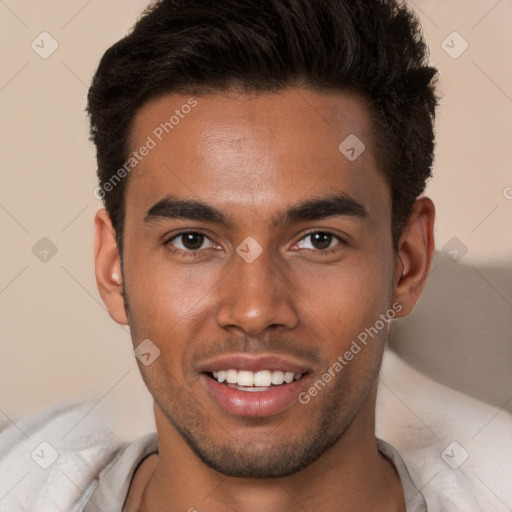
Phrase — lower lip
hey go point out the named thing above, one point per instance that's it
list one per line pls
(254, 404)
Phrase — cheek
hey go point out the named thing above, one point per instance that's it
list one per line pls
(352, 333)
(348, 298)
(159, 287)
(170, 304)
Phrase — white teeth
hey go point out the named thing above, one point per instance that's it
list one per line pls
(288, 377)
(277, 377)
(262, 379)
(245, 378)
(251, 389)
(231, 376)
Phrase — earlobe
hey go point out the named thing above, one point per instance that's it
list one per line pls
(414, 256)
(108, 267)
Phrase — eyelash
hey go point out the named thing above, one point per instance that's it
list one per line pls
(342, 243)
(192, 253)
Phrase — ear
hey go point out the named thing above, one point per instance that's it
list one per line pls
(108, 267)
(414, 256)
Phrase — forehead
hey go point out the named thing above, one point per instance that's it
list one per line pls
(261, 150)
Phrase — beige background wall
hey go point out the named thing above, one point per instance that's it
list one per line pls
(57, 341)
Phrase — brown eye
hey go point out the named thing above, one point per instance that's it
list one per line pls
(319, 241)
(190, 241)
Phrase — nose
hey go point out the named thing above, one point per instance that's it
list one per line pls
(256, 296)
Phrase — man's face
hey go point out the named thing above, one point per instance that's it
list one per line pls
(272, 255)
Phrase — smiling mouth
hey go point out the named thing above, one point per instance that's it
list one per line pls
(263, 380)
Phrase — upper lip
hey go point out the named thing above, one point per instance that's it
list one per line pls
(253, 363)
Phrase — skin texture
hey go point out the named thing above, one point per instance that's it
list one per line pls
(252, 157)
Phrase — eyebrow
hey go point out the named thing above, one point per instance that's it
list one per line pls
(171, 207)
(322, 208)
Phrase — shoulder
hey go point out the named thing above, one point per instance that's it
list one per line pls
(48, 461)
(455, 447)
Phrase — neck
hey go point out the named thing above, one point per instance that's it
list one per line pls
(351, 475)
